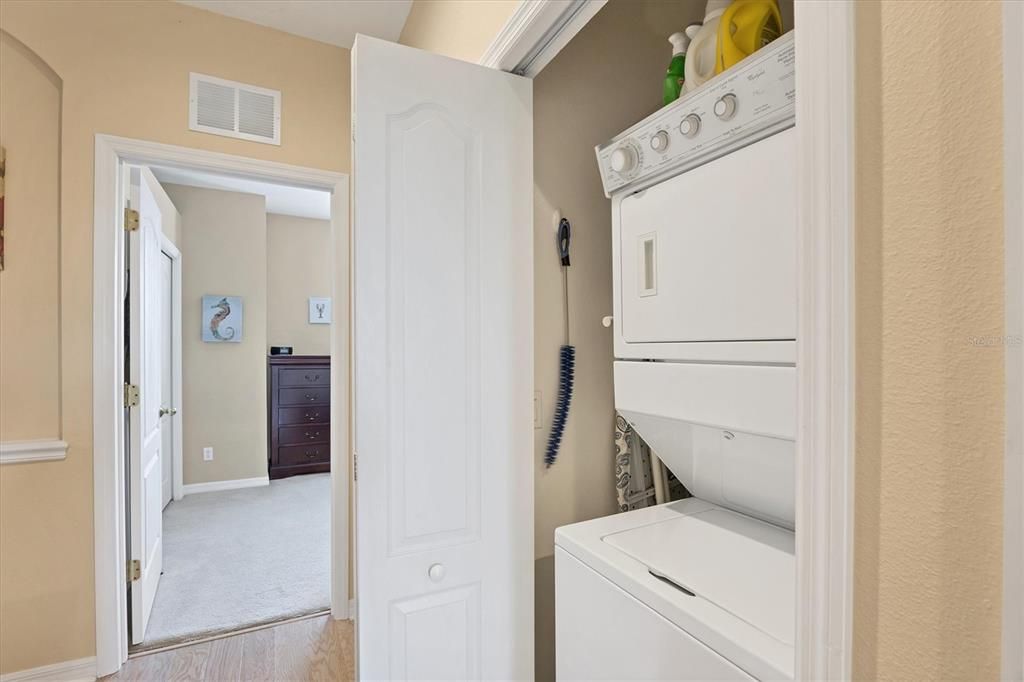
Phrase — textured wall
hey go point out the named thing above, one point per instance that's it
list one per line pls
(124, 68)
(30, 96)
(929, 271)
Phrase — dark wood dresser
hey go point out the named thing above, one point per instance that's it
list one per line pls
(299, 414)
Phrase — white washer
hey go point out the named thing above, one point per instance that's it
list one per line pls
(722, 608)
(704, 234)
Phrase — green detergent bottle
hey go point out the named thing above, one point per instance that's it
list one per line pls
(673, 84)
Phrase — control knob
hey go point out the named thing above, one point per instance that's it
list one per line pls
(659, 141)
(690, 125)
(725, 107)
(624, 159)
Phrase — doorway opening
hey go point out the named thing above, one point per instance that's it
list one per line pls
(214, 523)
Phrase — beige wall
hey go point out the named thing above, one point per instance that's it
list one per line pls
(298, 266)
(456, 28)
(30, 95)
(929, 268)
(124, 68)
(224, 385)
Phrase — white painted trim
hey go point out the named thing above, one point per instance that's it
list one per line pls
(177, 398)
(67, 671)
(232, 484)
(1013, 194)
(112, 153)
(536, 31)
(21, 451)
(825, 352)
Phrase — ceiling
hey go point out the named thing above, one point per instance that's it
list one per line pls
(329, 21)
(282, 199)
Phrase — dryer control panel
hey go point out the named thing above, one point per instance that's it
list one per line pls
(752, 100)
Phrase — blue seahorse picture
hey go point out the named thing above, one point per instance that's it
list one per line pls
(222, 319)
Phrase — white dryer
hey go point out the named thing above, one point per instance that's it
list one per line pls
(704, 231)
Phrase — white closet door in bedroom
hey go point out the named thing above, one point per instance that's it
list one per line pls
(443, 312)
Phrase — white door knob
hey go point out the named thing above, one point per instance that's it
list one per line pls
(623, 159)
(690, 125)
(437, 572)
(659, 141)
(725, 107)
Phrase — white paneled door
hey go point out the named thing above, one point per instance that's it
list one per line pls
(443, 312)
(145, 473)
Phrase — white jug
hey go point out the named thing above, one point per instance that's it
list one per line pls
(700, 58)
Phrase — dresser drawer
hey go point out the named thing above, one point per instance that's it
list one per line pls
(313, 433)
(304, 396)
(304, 376)
(312, 414)
(292, 455)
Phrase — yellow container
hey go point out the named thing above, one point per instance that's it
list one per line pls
(745, 27)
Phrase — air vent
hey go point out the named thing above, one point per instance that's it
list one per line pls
(223, 107)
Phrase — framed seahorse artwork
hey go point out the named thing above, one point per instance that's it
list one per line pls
(222, 319)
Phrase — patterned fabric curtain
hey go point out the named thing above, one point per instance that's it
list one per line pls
(634, 484)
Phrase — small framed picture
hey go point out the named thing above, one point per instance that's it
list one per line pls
(222, 319)
(319, 310)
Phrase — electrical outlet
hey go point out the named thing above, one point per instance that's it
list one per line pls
(537, 420)
(207, 454)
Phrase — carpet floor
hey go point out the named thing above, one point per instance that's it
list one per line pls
(238, 558)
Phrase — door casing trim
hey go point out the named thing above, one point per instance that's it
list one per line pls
(111, 153)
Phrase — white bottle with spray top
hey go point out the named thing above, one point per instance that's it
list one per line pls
(700, 57)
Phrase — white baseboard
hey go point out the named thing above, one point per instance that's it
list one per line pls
(17, 452)
(214, 486)
(68, 671)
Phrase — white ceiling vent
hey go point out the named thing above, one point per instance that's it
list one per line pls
(234, 109)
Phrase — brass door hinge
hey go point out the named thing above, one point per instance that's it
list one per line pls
(131, 395)
(134, 570)
(131, 219)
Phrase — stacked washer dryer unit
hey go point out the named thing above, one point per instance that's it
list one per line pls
(704, 221)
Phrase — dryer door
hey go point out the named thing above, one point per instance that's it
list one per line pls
(710, 255)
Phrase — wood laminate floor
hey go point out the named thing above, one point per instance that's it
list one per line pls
(318, 648)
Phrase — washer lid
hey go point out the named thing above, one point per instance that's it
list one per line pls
(744, 566)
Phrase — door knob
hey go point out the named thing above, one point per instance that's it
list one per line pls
(437, 572)
(168, 410)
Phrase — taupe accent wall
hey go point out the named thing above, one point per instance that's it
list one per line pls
(585, 96)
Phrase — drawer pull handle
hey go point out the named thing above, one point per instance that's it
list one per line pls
(315, 377)
(311, 453)
(310, 398)
(312, 436)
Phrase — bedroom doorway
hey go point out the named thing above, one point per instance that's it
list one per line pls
(231, 550)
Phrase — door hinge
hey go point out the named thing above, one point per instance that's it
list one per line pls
(131, 219)
(131, 395)
(355, 466)
(134, 570)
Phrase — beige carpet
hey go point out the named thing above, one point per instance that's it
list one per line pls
(238, 558)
